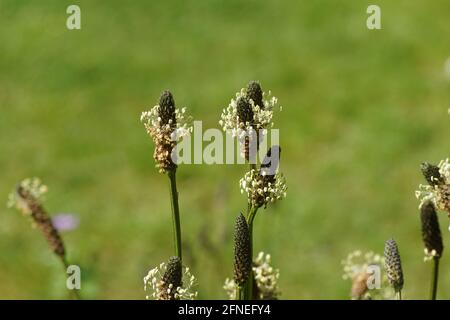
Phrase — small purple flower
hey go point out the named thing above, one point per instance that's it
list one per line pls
(65, 221)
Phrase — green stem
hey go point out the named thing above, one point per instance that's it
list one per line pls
(249, 283)
(175, 213)
(240, 295)
(399, 295)
(434, 278)
(250, 217)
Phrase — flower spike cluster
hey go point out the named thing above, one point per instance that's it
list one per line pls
(165, 282)
(266, 185)
(26, 198)
(242, 251)
(265, 280)
(248, 116)
(438, 188)
(393, 265)
(166, 125)
(431, 232)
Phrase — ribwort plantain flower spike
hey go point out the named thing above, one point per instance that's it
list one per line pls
(166, 110)
(244, 111)
(265, 281)
(165, 282)
(266, 278)
(255, 94)
(166, 125)
(26, 199)
(431, 232)
(248, 116)
(393, 265)
(172, 277)
(242, 251)
(438, 188)
(266, 185)
(432, 239)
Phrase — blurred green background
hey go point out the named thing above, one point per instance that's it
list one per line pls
(361, 110)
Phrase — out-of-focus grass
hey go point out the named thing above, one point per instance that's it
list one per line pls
(361, 110)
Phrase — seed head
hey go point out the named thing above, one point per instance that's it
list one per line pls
(393, 265)
(166, 125)
(172, 277)
(438, 188)
(242, 251)
(431, 233)
(248, 117)
(26, 199)
(244, 110)
(166, 109)
(265, 280)
(165, 282)
(255, 93)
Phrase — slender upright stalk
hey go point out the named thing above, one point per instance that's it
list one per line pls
(250, 217)
(399, 295)
(175, 213)
(240, 293)
(249, 284)
(434, 278)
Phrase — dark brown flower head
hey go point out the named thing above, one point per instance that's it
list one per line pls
(42, 221)
(431, 232)
(248, 117)
(244, 110)
(393, 265)
(255, 93)
(166, 125)
(242, 251)
(166, 109)
(172, 278)
(432, 174)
